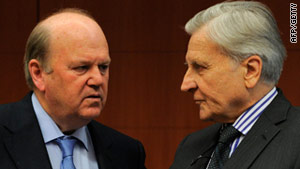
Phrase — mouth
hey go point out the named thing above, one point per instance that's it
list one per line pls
(94, 96)
(198, 101)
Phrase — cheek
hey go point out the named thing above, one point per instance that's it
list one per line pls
(215, 90)
(71, 86)
(105, 83)
(210, 85)
(54, 84)
(225, 82)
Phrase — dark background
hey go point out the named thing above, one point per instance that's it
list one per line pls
(147, 46)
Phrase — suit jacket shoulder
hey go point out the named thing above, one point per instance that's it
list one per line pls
(21, 111)
(22, 145)
(196, 147)
(115, 150)
(272, 142)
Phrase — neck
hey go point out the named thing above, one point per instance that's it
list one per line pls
(66, 123)
(69, 132)
(259, 91)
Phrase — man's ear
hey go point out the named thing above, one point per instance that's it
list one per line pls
(36, 72)
(253, 67)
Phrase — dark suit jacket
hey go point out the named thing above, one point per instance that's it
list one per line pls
(22, 145)
(272, 143)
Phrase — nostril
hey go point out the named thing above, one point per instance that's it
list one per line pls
(192, 90)
(95, 87)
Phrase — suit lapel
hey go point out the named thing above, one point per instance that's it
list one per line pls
(25, 142)
(28, 150)
(261, 134)
(202, 160)
(252, 145)
(206, 147)
(102, 146)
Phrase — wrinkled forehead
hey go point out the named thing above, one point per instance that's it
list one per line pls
(200, 41)
(202, 49)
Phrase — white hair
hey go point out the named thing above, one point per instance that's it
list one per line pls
(243, 29)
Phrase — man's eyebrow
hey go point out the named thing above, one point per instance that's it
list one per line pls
(106, 62)
(203, 63)
(84, 62)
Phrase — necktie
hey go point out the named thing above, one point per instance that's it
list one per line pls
(66, 145)
(222, 150)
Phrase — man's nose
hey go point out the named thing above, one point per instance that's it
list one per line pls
(188, 84)
(96, 77)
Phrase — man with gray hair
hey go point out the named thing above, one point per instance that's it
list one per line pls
(235, 56)
(67, 67)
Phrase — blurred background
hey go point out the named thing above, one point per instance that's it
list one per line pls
(147, 46)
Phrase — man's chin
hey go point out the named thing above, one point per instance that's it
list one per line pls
(206, 119)
(91, 113)
(205, 116)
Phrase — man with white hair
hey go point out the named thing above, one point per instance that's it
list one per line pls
(67, 67)
(235, 57)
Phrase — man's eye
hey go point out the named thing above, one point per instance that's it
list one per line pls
(197, 66)
(81, 69)
(103, 68)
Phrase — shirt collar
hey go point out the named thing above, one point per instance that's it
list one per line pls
(50, 130)
(246, 120)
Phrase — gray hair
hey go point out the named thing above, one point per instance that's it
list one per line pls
(37, 46)
(242, 29)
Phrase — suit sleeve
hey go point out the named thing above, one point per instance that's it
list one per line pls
(141, 156)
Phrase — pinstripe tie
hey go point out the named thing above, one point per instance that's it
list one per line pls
(66, 145)
(222, 150)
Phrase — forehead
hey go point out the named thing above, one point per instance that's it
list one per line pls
(78, 34)
(72, 27)
(200, 47)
